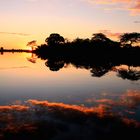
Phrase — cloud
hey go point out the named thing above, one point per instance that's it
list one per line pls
(137, 21)
(128, 5)
(135, 10)
(110, 34)
(12, 33)
(109, 1)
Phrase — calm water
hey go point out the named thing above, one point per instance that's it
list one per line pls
(72, 102)
(24, 77)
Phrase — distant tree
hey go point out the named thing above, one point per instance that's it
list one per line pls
(1, 49)
(54, 39)
(128, 39)
(32, 44)
(80, 40)
(100, 37)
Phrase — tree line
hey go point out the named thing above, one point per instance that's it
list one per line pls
(126, 40)
(99, 45)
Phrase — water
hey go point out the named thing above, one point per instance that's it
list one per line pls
(24, 77)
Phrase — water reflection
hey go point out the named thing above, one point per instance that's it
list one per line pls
(50, 120)
(32, 59)
(69, 103)
(97, 70)
(130, 73)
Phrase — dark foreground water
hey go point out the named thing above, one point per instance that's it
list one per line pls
(69, 103)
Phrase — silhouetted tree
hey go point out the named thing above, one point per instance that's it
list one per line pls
(1, 49)
(32, 44)
(128, 39)
(100, 37)
(79, 40)
(54, 39)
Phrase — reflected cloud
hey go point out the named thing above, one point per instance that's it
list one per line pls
(14, 107)
(100, 110)
(106, 101)
(130, 99)
(5, 68)
(47, 120)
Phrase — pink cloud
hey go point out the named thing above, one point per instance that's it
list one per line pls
(135, 10)
(110, 1)
(111, 34)
(127, 5)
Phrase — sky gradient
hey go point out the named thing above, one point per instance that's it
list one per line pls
(26, 20)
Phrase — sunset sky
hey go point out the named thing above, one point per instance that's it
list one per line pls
(26, 20)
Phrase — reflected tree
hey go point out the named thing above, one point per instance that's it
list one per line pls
(32, 59)
(129, 74)
(99, 71)
(55, 65)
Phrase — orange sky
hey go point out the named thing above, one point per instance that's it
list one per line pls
(26, 20)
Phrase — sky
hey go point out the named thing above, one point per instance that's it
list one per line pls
(22, 21)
